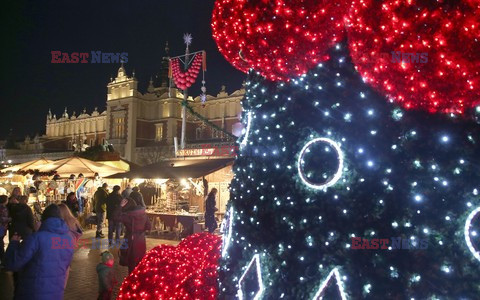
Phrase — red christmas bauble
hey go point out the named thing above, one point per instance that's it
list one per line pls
(280, 39)
(185, 79)
(421, 54)
(188, 271)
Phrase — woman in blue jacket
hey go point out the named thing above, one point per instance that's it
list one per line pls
(42, 259)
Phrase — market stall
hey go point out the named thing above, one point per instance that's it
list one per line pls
(26, 177)
(47, 181)
(78, 175)
(175, 190)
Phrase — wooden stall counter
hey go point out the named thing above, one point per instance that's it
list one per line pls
(181, 224)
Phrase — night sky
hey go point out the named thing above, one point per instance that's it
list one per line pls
(31, 84)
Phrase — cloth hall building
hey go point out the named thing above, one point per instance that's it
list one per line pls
(142, 127)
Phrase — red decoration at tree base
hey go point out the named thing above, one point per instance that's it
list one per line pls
(188, 271)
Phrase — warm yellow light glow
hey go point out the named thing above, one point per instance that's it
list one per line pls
(138, 181)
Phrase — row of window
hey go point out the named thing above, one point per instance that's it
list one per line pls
(119, 131)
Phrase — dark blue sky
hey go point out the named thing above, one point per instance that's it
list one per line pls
(31, 84)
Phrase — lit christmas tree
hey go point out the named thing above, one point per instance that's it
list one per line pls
(357, 175)
(328, 166)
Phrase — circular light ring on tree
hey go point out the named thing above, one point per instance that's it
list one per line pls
(338, 173)
(466, 232)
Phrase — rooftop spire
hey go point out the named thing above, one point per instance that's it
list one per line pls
(150, 88)
(164, 67)
(121, 71)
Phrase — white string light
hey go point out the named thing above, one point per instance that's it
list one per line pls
(256, 260)
(324, 284)
(466, 232)
(226, 239)
(244, 141)
(338, 173)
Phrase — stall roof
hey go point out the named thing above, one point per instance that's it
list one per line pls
(191, 168)
(29, 165)
(77, 165)
(121, 164)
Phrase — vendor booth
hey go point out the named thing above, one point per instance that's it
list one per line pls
(174, 191)
(47, 181)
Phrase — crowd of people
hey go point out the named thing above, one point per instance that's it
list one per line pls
(37, 255)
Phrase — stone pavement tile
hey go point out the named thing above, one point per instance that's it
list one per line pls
(82, 282)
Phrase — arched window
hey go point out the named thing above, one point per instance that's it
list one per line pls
(159, 132)
(119, 127)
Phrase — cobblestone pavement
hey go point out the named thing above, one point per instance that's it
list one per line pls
(82, 282)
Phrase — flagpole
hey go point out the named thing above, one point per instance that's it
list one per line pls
(188, 40)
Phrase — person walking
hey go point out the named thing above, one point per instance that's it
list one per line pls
(16, 193)
(136, 223)
(114, 211)
(79, 193)
(22, 222)
(72, 222)
(106, 276)
(210, 209)
(37, 215)
(128, 190)
(75, 229)
(137, 196)
(41, 260)
(72, 203)
(11, 206)
(100, 208)
(4, 220)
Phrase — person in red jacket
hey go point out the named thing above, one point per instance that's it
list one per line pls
(136, 223)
